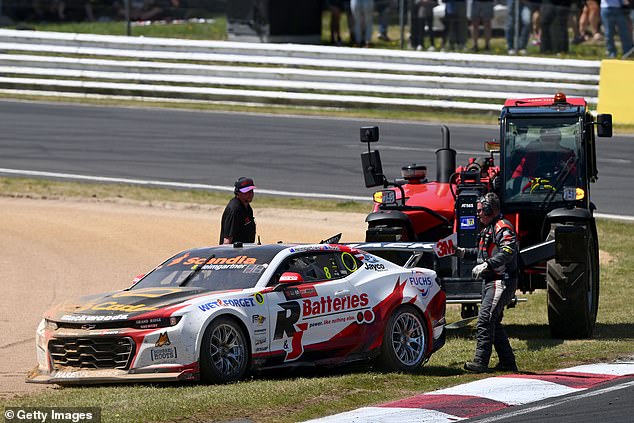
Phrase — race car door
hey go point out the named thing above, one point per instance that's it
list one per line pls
(316, 313)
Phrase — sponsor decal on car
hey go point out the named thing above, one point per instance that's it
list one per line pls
(297, 292)
(327, 305)
(377, 267)
(84, 317)
(259, 298)
(115, 306)
(237, 302)
(163, 340)
(147, 292)
(258, 319)
(422, 282)
(163, 354)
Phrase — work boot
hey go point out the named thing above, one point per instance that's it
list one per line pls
(505, 367)
(474, 366)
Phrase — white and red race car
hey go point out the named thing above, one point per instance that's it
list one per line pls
(216, 313)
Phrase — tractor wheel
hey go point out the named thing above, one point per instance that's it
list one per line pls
(573, 292)
(404, 341)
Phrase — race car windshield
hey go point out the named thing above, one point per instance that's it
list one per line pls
(213, 270)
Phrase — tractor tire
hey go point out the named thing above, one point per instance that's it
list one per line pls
(404, 341)
(573, 292)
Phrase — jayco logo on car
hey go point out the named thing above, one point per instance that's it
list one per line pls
(377, 267)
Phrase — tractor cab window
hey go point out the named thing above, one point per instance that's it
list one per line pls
(541, 159)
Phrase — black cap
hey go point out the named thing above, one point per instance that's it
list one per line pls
(244, 184)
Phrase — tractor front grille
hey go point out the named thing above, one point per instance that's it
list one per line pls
(92, 353)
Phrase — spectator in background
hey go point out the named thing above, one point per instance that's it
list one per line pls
(422, 15)
(383, 8)
(481, 13)
(525, 18)
(336, 8)
(590, 21)
(614, 16)
(456, 24)
(362, 11)
(554, 26)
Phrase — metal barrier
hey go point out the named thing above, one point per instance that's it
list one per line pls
(69, 64)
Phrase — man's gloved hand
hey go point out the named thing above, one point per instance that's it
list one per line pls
(477, 270)
(459, 252)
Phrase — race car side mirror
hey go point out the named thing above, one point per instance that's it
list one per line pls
(290, 278)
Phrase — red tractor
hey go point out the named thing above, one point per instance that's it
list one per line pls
(547, 160)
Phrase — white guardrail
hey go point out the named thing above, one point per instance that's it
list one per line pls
(50, 63)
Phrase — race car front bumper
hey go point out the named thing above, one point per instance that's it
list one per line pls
(76, 376)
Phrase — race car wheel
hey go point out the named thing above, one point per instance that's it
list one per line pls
(224, 354)
(404, 341)
(573, 293)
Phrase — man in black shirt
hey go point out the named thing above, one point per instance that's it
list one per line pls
(238, 224)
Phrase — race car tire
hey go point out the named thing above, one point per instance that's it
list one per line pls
(573, 293)
(404, 341)
(224, 354)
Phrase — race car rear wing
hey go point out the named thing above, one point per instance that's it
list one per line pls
(406, 254)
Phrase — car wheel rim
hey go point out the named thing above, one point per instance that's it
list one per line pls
(408, 339)
(227, 350)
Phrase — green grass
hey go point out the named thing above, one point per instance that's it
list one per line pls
(288, 396)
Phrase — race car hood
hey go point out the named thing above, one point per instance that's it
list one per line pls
(122, 305)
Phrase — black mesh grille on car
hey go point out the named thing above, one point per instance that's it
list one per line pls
(92, 353)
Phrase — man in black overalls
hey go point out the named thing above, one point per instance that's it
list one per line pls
(496, 256)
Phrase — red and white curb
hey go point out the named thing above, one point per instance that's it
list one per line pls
(486, 395)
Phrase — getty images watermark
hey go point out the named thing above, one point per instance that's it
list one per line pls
(52, 414)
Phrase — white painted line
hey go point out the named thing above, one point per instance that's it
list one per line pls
(555, 403)
(512, 391)
(174, 184)
(388, 415)
(182, 185)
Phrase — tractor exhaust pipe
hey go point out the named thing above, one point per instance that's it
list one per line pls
(445, 158)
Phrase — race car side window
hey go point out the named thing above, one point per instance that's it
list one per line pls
(319, 266)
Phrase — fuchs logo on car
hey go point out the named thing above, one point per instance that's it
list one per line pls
(328, 305)
(377, 267)
(420, 280)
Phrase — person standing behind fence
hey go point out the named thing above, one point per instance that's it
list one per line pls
(554, 26)
(362, 11)
(456, 24)
(481, 13)
(422, 14)
(614, 17)
(525, 19)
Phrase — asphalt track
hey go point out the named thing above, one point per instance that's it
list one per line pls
(286, 155)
